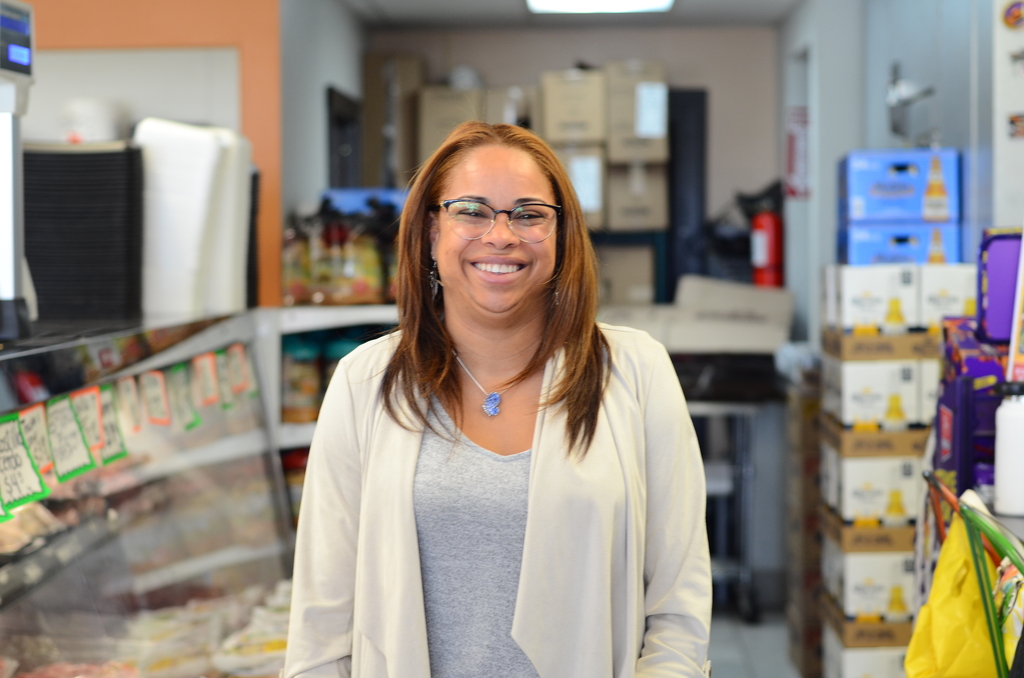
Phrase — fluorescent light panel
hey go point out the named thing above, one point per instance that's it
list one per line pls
(597, 6)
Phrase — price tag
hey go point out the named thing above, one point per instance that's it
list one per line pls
(20, 481)
(154, 397)
(227, 395)
(67, 442)
(90, 416)
(254, 387)
(33, 428)
(204, 374)
(238, 369)
(181, 399)
(113, 447)
(128, 405)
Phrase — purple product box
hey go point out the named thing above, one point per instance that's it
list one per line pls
(997, 282)
(965, 419)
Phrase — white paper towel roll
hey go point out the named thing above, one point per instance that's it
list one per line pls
(222, 270)
(1009, 457)
(180, 163)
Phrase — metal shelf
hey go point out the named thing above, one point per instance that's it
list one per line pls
(183, 570)
(23, 575)
(295, 435)
(311, 318)
(230, 448)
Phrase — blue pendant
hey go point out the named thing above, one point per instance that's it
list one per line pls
(491, 403)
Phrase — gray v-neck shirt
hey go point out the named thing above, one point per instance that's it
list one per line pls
(470, 508)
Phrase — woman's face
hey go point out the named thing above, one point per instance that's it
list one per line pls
(498, 275)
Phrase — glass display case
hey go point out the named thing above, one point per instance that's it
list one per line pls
(145, 523)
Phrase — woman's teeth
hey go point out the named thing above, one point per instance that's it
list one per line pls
(498, 268)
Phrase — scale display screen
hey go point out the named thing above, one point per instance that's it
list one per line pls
(15, 39)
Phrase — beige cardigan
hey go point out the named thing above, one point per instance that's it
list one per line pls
(615, 579)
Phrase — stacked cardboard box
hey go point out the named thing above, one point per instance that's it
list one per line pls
(873, 432)
(899, 205)
(803, 536)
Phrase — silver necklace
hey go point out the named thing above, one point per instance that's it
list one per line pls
(492, 399)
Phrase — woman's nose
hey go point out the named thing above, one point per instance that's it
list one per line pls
(501, 234)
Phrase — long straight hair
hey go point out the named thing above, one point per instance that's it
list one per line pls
(423, 365)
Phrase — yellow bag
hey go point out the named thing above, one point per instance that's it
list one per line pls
(951, 636)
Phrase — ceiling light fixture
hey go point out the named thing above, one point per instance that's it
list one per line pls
(597, 6)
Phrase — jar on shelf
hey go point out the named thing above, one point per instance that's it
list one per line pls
(300, 380)
(295, 272)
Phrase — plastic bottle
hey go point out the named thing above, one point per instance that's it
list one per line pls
(1009, 457)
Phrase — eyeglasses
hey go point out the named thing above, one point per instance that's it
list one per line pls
(471, 220)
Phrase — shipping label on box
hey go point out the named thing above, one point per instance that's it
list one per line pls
(947, 290)
(574, 105)
(637, 112)
(900, 185)
(862, 245)
(586, 169)
(884, 296)
(883, 393)
(442, 109)
(869, 585)
(839, 661)
(637, 198)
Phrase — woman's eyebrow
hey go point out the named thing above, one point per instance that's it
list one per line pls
(525, 201)
(474, 198)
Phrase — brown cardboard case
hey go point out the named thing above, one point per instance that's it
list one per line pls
(637, 198)
(591, 156)
(574, 106)
(623, 144)
(441, 110)
(626, 274)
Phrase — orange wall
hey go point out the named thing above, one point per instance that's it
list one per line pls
(251, 26)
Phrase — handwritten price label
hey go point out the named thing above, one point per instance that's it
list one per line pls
(70, 452)
(128, 405)
(181, 397)
(90, 416)
(204, 376)
(154, 397)
(113, 447)
(20, 481)
(33, 428)
(238, 369)
(227, 394)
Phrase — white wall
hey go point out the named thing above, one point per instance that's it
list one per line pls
(321, 47)
(945, 44)
(821, 59)
(736, 65)
(199, 85)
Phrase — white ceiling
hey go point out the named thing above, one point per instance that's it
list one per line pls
(401, 13)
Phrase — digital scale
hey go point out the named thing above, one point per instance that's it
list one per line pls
(16, 40)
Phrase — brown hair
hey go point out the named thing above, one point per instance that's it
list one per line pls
(423, 366)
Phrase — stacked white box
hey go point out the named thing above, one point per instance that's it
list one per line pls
(876, 489)
(947, 290)
(877, 584)
(886, 393)
(839, 661)
(884, 296)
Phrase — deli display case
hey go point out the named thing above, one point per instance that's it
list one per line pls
(146, 529)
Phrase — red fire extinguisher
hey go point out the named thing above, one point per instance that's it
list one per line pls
(766, 253)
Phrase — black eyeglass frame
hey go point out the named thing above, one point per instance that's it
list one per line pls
(558, 215)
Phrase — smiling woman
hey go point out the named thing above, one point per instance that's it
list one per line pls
(502, 486)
